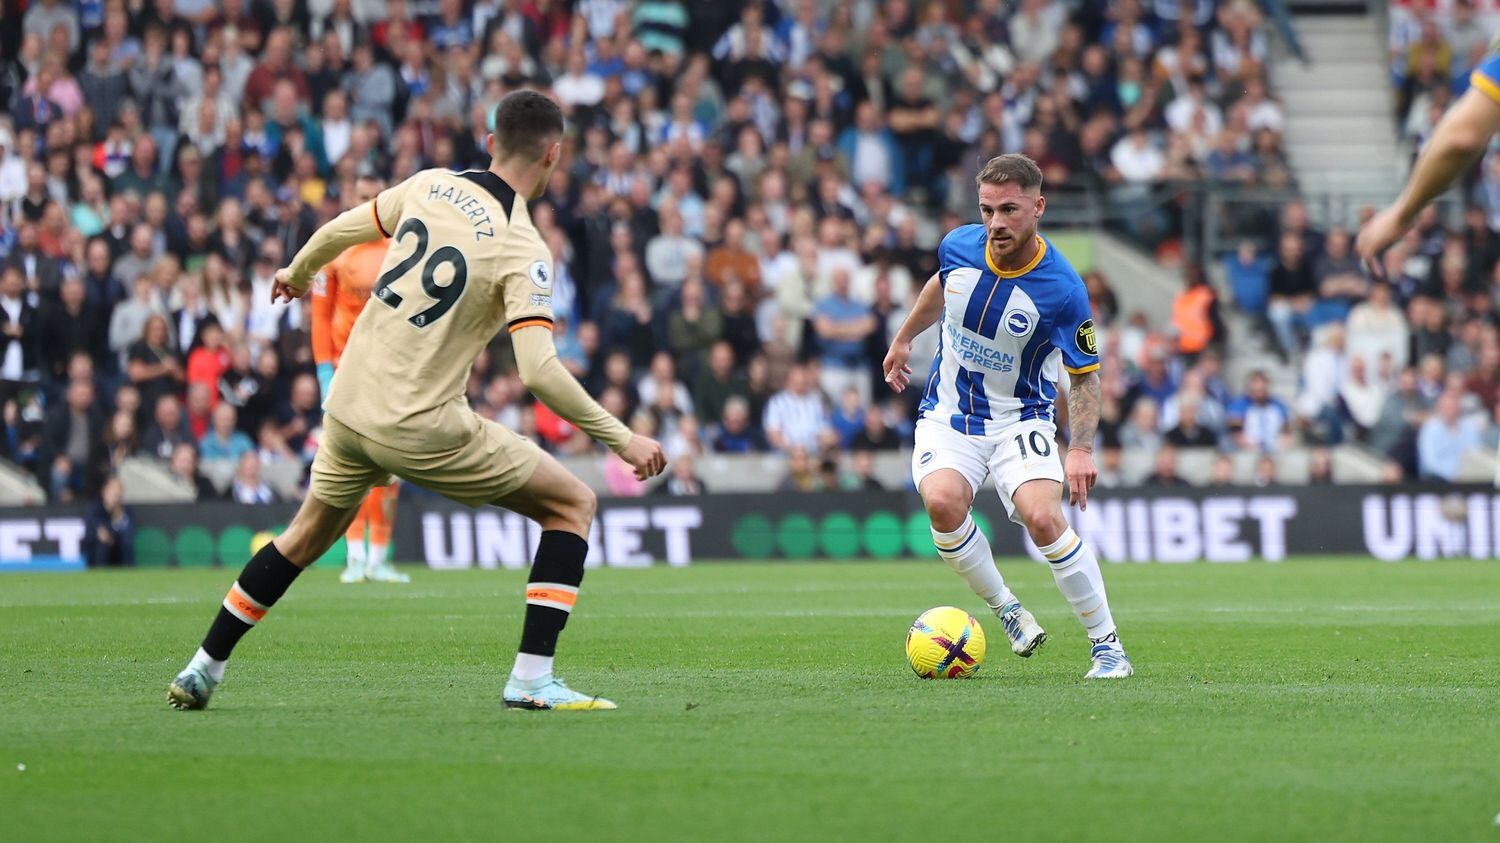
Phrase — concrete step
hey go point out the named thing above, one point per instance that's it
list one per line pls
(1365, 169)
(1313, 100)
(1312, 26)
(1364, 77)
(1374, 127)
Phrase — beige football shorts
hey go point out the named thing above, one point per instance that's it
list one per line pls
(494, 462)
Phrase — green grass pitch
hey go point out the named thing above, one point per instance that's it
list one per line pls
(1317, 700)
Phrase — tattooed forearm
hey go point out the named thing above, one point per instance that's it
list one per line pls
(1083, 409)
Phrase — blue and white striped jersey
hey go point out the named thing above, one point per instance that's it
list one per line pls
(1005, 335)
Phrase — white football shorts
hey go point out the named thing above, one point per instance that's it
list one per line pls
(1020, 452)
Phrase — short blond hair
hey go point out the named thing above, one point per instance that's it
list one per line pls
(1010, 167)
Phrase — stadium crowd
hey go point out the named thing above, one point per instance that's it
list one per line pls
(751, 195)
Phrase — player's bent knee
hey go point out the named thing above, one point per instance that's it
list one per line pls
(587, 506)
(574, 510)
(947, 507)
(1045, 524)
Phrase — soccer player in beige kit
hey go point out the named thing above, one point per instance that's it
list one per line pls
(465, 260)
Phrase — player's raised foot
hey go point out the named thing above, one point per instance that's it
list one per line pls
(191, 690)
(352, 575)
(550, 694)
(1109, 660)
(1025, 634)
(386, 572)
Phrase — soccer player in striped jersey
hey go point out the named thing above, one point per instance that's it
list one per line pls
(339, 293)
(1013, 315)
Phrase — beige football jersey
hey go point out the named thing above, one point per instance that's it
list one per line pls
(464, 262)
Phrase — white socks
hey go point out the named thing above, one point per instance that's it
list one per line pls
(531, 667)
(356, 557)
(208, 664)
(376, 557)
(967, 551)
(1076, 570)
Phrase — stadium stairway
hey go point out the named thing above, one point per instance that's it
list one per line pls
(1140, 283)
(1339, 133)
(18, 487)
(146, 480)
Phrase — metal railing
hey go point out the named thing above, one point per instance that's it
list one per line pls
(1212, 219)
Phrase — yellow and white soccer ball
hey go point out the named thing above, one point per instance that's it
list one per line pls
(945, 643)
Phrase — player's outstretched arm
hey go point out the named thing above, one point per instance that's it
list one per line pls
(924, 314)
(354, 226)
(544, 375)
(1459, 139)
(1084, 399)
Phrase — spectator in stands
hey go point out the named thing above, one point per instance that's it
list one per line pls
(198, 410)
(1294, 220)
(801, 473)
(660, 388)
(20, 335)
(154, 367)
(683, 479)
(1164, 468)
(1265, 472)
(1323, 373)
(1229, 161)
(730, 262)
(1320, 467)
(1483, 380)
(302, 414)
(271, 446)
(1376, 327)
(1464, 36)
(842, 327)
(739, 322)
(717, 383)
(1195, 314)
(796, 417)
(1444, 439)
(120, 444)
(625, 321)
(247, 486)
(1137, 160)
(1364, 393)
(1249, 278)
(735, 434)
(1340, 280)
(183, 466)
(1155, 381)
(224, 441)
(68, 326)
(210, 360)
(1189, 432)
(41, 275)
(692, 328)
(1405, 409)
(1141, 429)
(668, 253)
(861, 473)
(875, 434)
(872, 152)
(1222, 473)
(1257, 420)
(109, 529)
(1432, 376)
(1292, 288)
(74, 434)
(167, 429)
(848, 416)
